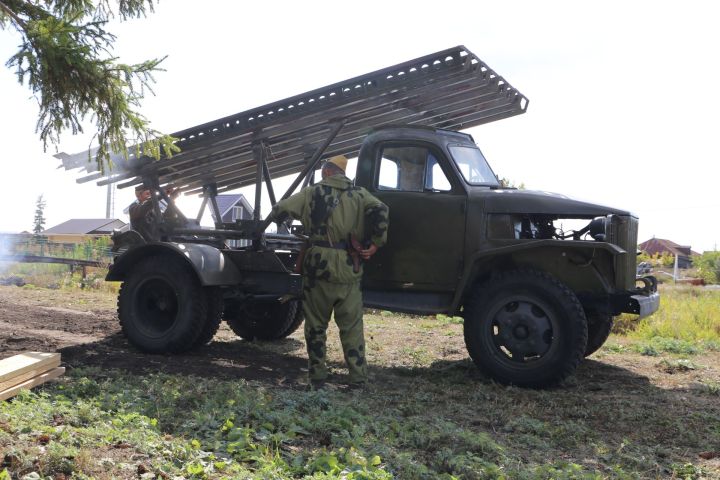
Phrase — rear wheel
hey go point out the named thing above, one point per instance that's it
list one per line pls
(599, 327)
(526, 328)
(264, 320)
(162, 306)
(214, 299)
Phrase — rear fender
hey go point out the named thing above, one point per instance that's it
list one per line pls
(209, 263)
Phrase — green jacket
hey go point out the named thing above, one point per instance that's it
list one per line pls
(352, 210)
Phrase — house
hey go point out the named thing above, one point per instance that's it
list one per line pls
(78, 230)
(234, 207)
(658, 246)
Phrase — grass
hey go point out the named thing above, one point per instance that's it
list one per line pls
(55, 276)
(687, 323)
(428, 415)
(172, 426)
(107, 424)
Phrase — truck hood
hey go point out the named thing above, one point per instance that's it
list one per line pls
(539, 202)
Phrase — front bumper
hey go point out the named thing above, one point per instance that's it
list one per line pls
(644, 305)
(642, 301)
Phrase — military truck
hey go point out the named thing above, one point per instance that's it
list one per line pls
(536, 296)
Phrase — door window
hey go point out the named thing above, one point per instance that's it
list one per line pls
(411, 169)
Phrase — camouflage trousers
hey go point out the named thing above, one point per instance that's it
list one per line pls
(345, 300)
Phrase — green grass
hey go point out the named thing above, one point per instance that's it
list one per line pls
(687, 323)
(56, 276)
(686, 313)
(107, 424)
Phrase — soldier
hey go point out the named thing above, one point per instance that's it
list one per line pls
(140, 212)
(334, 214)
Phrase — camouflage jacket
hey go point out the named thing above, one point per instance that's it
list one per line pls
(352, 211)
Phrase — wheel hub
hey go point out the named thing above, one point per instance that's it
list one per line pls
(156, 306)
(522, 330)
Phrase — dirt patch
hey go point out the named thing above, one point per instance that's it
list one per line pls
(84, 328)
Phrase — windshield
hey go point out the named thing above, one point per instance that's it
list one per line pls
(473, 166)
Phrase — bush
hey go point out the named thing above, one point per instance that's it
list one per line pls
(708, 266)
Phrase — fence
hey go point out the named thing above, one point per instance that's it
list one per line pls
(92, 250)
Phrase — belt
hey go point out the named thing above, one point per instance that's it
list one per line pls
(324, 244)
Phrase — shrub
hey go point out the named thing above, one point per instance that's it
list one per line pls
(708, 265)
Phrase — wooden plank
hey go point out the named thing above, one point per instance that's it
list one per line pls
(18, 368)
(33, 382)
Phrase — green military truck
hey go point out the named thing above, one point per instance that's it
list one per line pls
(536, 298)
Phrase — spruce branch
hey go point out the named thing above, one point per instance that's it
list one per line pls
(66, 60)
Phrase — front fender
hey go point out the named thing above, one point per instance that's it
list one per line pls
(524, 248)
(210, 264)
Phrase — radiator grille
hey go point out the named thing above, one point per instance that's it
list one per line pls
(622, 231)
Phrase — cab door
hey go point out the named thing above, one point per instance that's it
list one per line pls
(427, 207)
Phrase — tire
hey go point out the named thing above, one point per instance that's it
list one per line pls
(214, 301)
(296, 321)
(525, 328)
(264, 320)
(162, 306)
(599, 327)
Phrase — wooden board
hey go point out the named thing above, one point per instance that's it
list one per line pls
(19, 368)
(33, 382)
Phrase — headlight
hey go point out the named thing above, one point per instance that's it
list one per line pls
(597, 228)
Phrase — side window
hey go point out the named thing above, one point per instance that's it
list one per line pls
(389, 175)
(410, 169)
(435, 178)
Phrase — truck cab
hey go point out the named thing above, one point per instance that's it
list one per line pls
(455, 232)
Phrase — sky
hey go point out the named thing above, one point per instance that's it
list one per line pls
(621, 112)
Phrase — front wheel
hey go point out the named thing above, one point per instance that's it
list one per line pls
(599, 327)
(525, 328)
(162, 306)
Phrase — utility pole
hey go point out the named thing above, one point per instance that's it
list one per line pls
(110, 202)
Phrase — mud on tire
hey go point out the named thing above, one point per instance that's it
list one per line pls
(525, 328)
(264, 320)
(162, 306)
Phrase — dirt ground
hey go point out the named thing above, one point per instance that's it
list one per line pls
(617, 392)
(84, 328)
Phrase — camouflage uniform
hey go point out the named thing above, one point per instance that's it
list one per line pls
(330, 284)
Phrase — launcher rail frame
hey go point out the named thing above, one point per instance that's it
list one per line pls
(450, 89)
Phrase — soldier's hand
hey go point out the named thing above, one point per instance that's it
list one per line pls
(368, 252)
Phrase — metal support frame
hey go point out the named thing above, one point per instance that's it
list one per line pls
(309, 167)
(268, 178)
(202, 209)
(310, 177)
(259, 157)
(210, 191)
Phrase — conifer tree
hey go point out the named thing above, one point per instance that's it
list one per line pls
(66, 60)
(39, 221)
